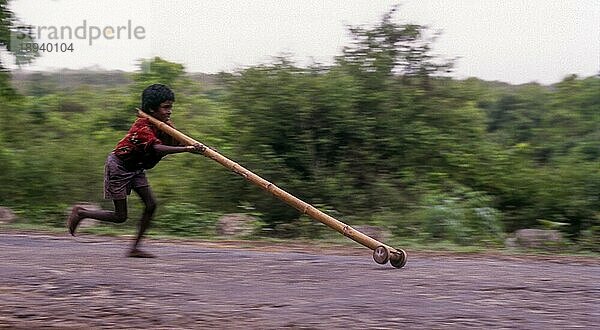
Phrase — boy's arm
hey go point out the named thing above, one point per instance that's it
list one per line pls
(165, 149)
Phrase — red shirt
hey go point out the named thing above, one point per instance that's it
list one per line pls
(136, 148)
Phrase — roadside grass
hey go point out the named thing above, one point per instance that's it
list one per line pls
(331, 239)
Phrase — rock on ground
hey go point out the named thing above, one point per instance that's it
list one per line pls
(535, 238)
(379, 233)
(7, 215)
(235, 224)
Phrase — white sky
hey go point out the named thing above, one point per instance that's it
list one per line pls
(509, 40)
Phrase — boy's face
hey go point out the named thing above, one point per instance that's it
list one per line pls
(163, 113)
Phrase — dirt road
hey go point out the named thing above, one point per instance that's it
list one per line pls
(62, 282)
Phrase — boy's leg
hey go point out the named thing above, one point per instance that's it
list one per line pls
(119, 215)
(147, 197)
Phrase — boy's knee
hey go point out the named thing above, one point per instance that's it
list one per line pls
(151, 206)
(120, 217)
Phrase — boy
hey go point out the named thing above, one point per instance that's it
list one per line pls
(142, 148)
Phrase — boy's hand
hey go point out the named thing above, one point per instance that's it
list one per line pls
(196, 148)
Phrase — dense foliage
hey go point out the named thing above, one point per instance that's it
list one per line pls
(383, 136)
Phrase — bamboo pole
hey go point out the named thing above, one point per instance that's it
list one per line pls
(398, 257)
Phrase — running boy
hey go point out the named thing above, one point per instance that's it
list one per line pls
(142, 148)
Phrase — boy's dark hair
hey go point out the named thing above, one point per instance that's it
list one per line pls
(154, 95)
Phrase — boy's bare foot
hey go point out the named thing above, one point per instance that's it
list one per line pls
(137, 253)
(73, 220)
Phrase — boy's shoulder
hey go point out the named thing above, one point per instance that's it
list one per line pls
(145, 122)
(141, 124)
(145, 127)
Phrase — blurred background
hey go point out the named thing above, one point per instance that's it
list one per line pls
(434, 135)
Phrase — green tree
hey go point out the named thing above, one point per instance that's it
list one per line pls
(157, 71)
(13, 35)
(390, 48)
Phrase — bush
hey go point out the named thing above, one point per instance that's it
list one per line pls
(184, 219)
(463, 218)
(406, 225)
(590, 239)
(50, 215)
(304, 227)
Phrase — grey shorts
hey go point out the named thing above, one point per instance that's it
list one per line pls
(118, 181)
